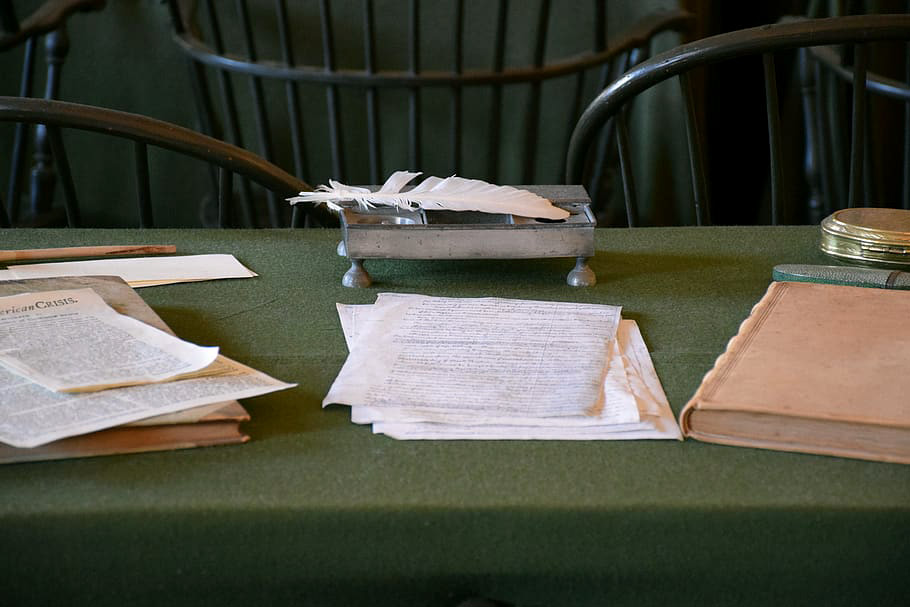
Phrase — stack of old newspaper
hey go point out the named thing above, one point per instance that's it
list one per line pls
(424, 367)
(71, 365)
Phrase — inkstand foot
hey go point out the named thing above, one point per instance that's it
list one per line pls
(356, 276)
(581, 275)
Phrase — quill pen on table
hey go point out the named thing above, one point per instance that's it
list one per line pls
(452, 194)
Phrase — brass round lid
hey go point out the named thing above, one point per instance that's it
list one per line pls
(868, 235)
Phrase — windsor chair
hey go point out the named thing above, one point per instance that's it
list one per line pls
(858, 33)
(48, 23)
(352, 93)
(142, 133)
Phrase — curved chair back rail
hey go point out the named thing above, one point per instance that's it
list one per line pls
(201, 31)
(889, 87)
(46, 18)
(636, 37)
(759, 41)
(144, 131)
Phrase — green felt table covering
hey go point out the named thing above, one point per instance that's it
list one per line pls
(318, 511)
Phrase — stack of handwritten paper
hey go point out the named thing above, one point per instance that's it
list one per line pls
(70, 364)
(444, 368)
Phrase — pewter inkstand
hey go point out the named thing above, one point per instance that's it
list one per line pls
(392, 233)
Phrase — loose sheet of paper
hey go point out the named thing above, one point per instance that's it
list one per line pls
(630, 379)
(656, 418)
(31, 415)
(616, 405)
(72, 341)
(484, 356)
(142, 271)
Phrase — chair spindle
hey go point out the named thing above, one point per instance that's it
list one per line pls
(58, 152)
(201, 93)
(696, 160)
(331, 92)
(4, 218)
(372, 101)
(260, 117)
(143, 187)
(857, 146)
(17, 162)
(609, 72)
(229, 103)
(599, 45)
(225, 197)
(495, 126)
(824, 154)
(625, 166)
(457, 67)
(774, 143)
(295, 119)
(869, 182)
(414, 152)
(837, 123)
(574, 112)
(533, 121)
(905, 194)
(299, 218)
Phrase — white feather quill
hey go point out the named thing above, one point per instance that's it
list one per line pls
(453, 194)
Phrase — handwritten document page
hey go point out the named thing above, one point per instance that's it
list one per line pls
(656, 418)
(483, 356)
(72, 341)
(616, 405)
(142, 271)
(31, 415)
(630, 381)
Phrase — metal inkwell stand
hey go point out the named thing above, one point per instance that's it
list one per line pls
(393, 233)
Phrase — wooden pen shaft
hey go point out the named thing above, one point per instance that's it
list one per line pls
(98, 251)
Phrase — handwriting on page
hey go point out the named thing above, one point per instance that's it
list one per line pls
(525, 356)
(498, 369)
(502, 357)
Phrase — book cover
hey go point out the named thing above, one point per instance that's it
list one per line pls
(815, 368)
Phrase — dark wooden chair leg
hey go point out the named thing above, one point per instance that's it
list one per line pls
(43, 174)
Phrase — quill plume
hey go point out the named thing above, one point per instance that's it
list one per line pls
(453, 194)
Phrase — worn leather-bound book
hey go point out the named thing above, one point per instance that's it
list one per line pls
(220, 426)
(815, 368)
(214, 424)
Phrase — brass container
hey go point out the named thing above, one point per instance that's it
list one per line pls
(868, 236)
